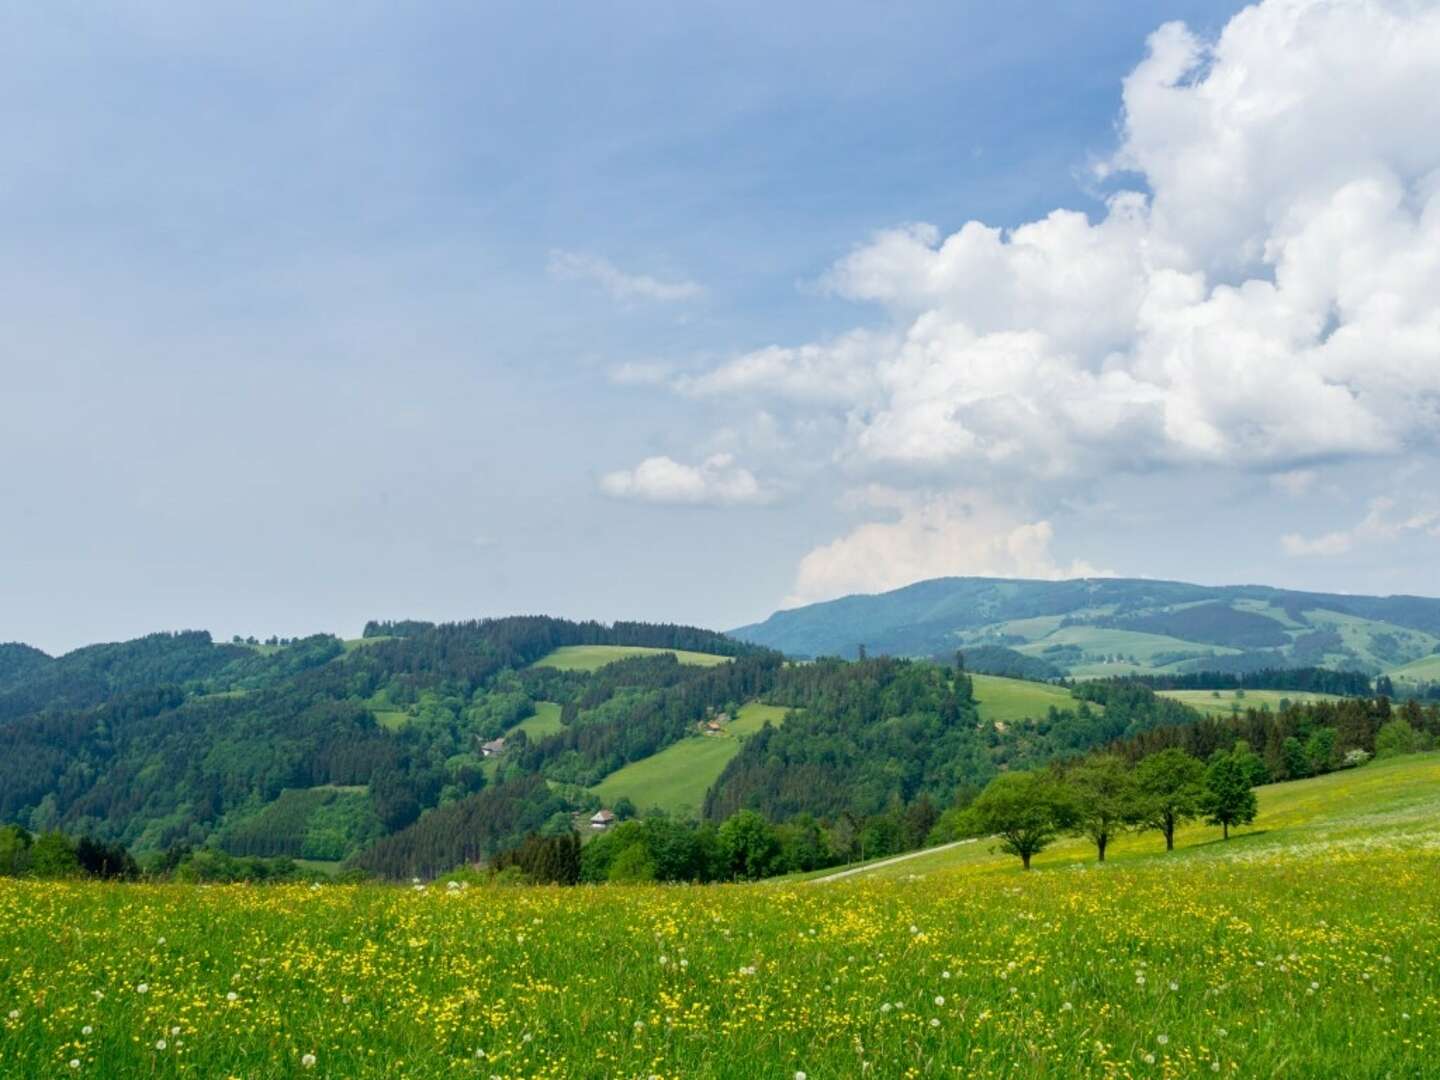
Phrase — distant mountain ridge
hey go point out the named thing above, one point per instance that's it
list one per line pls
(1105, 626)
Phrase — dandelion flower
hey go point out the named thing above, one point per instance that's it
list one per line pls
(307, 1061)
(934, 1021)
(160, 1044)
(799, 1075)
(939, 999)
(1174, 985)
(14, 1014)
(74, 1063)
(1066, 1006)
(175, 1030)
(87, 1030)
(232, 996)
(143, 988)
(1149, 1059)
(1162, 1039)
(944, 974)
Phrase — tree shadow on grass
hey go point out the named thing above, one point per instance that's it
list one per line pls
(1220, 841)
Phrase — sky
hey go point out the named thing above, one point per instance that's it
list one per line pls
(317, 313)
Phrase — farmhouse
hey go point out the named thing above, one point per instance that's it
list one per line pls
(493, 748)
(602, 820)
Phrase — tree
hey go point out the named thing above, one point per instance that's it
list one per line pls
(624, 808)
(1229, 799)
(750, 845)
(52, 855)
(1026, 810)
(1398, 737)
(1251, 763)
(1320, 750)
(14, 850)
(1104, 798)
(1170, 788)
(1294, 759)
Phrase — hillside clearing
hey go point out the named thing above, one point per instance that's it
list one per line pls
(545, 721)
(677, 778)
(1426, 669)
(1225, 702)
(594, 657)
(1009, 700)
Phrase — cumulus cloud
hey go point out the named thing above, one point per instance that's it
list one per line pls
(581, 266)
(1265, 297)
(1380, 523)
(716, 481)
(958, 533)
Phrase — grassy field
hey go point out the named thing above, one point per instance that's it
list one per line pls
(677, 778)
(1230, 701)
(1426, 669)
(594, 657)
(545, 721)
(1008, 700)
(1308, 947)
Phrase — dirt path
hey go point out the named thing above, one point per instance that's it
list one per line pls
(888, 862)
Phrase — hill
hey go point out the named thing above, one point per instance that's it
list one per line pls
(1117, 626)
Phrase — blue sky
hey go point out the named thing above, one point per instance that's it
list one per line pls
(320, 313)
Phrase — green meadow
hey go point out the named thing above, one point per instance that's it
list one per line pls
(1225, 702)
(677, 778)
(1306, 946)
(594, 657)
(1009, 700)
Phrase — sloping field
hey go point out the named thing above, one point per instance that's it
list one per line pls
(677, 778)
(594, 657)
(1308, 947)
(1426, 669)
(1009, 700)
(1385, 804)
(1225, 702)
(545, 721)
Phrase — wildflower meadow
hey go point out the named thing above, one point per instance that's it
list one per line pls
(1310, 946)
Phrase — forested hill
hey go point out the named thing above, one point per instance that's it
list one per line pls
(1116, 626)
(173, 738)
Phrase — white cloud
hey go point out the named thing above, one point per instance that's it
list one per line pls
(1267, 300)
(716, 481)
(1379, 524)
(577, 265)
(960, 533)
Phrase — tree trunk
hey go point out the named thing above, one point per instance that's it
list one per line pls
(1025, 858)
(1225, 829)
(1100, 843)
(1169, 836)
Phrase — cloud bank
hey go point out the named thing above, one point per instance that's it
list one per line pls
(958, 533)
(1261, 292)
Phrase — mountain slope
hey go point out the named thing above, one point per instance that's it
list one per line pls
(1100, 626)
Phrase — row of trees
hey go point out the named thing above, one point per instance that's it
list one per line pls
(1104, 796)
